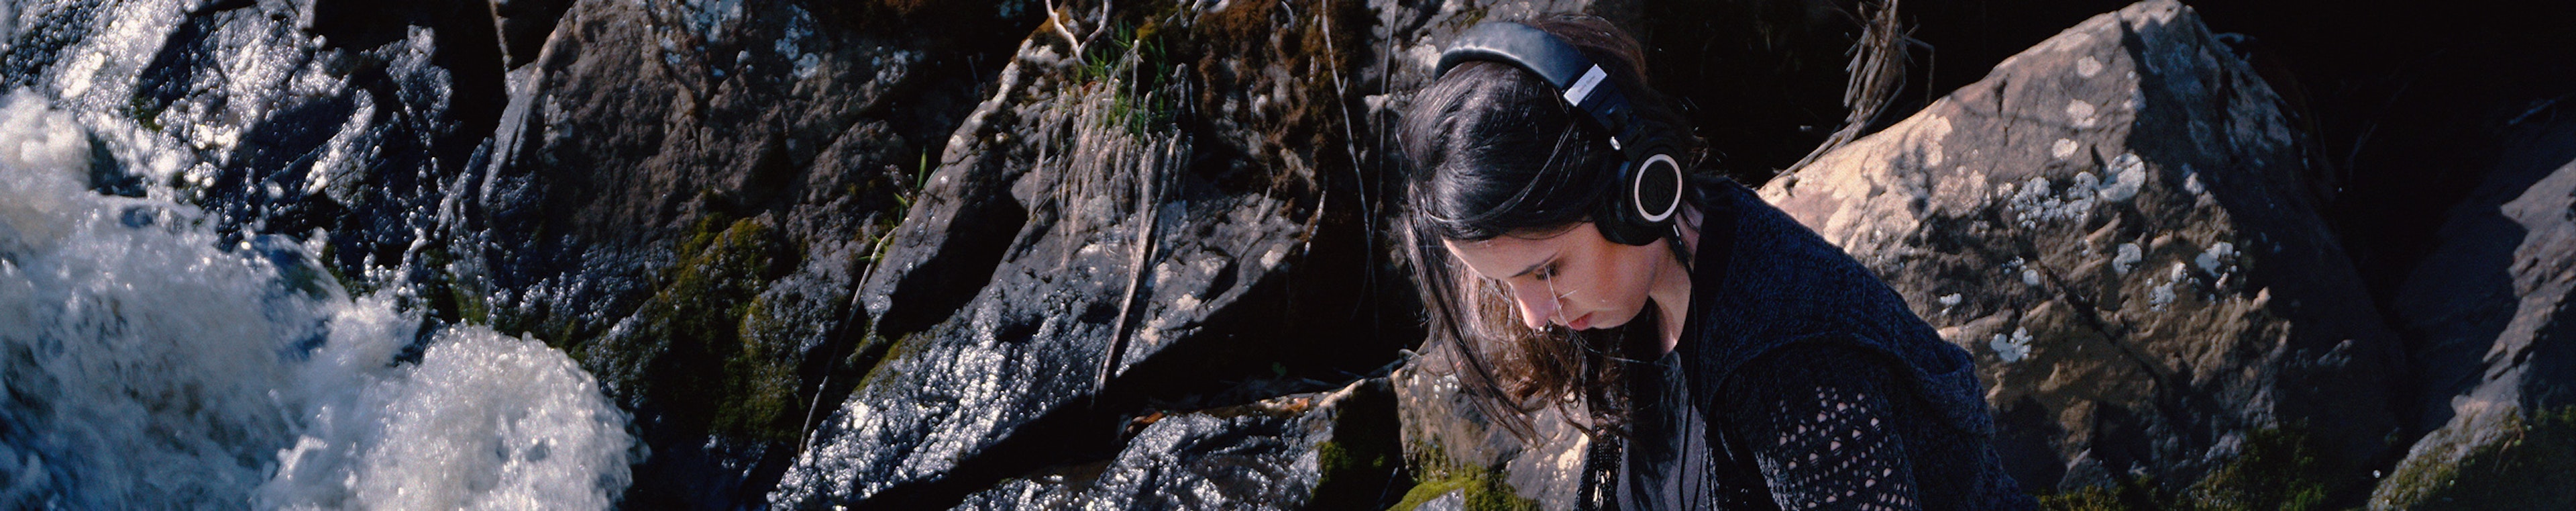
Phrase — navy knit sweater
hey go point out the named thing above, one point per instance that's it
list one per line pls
(1801, 382)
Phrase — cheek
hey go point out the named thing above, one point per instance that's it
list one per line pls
(1616, 283)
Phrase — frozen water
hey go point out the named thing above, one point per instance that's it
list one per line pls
(150, 368)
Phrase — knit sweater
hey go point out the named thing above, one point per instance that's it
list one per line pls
(1801, 382)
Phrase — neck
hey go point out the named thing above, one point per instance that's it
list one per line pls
(1672, 287)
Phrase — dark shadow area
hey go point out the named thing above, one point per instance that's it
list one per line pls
(2455, 305)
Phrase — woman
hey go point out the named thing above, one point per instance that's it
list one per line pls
(1726, 357)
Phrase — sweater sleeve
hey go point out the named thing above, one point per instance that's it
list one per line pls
(1818, 422)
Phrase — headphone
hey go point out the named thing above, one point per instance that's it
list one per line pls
(1653, 177)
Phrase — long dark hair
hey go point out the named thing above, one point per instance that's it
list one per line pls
(1496, 153)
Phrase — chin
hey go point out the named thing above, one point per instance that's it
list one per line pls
(1605, 320)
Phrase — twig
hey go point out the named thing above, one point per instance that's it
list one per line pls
(1148, 204)
(1057, 20)
(1876, 72)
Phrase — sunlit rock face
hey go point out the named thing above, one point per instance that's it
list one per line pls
(687, 194)
(1329, 450)
(2115, 224)
(1113, 230)
(355, 132)
(2489, 316)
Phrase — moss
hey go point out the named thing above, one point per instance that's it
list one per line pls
(1483, 487)
(2527, 467)
(2132, 495)
(145, 111)
(2276, 470)
(687, 355)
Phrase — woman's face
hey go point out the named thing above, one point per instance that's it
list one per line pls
(1569, 276)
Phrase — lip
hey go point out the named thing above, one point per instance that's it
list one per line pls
(1580, 322)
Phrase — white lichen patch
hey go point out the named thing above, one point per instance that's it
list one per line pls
(2039, 200)
(2127, 259)
(2220, 256)
(2020, 268)
(2081, 113)
(2012, 348)
(2127, 173)
(2063, 148)
(2163, 293)
(2088, 66)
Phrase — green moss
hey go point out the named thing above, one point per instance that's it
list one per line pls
(2528, 467)
(145, 112)
(2276, 470)
(2133, 495)
(1483, 487)
(687, 354)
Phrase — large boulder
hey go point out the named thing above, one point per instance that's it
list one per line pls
(2492, 331)
(1115, 226)
(351, 132)
(684, 196)
(2115, 225)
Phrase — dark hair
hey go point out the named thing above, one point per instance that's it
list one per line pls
(1496, 153)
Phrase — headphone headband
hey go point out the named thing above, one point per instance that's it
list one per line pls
(1652, 175)
(1576, 78)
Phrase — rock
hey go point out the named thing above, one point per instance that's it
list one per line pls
(2488, 317)
(1457, 450)
(1306, 451)
(1112, 226)
(354, 132)
(2114, 224)
(685, 194)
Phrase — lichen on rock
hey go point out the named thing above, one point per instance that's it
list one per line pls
(2136, 326)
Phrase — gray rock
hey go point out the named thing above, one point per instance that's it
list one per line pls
(2492, 331)
(1275, 454)
(1110, 217)
(684, 194)
(1455, 500)
(2114, 224)
(1445, 437)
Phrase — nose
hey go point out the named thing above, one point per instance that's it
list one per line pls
(1538, 306)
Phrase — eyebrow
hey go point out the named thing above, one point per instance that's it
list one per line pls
(1534, 266)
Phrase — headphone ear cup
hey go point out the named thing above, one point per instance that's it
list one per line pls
(1642, 208)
